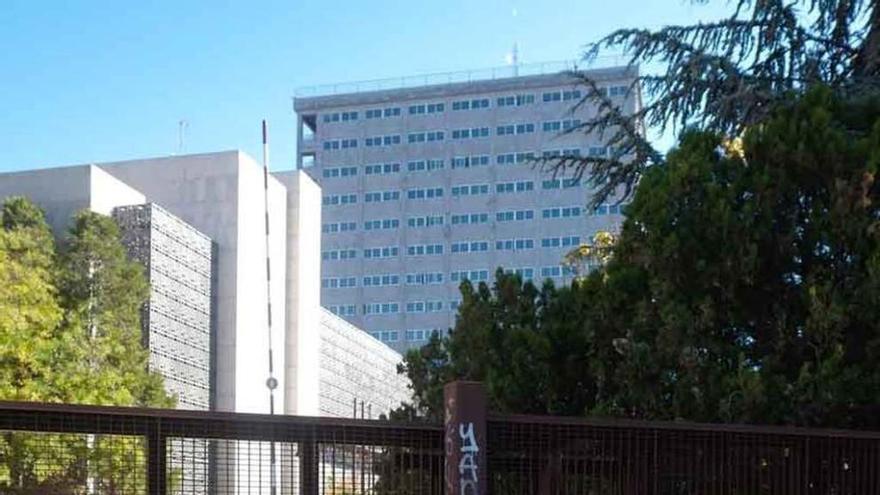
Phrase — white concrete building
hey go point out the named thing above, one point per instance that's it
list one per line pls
(319, 360)
(429, 181)
(66, 190)
(221, 194)
(346, 390)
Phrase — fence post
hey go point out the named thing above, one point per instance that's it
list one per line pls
(465, 413)
(157, 472)
(308, 468)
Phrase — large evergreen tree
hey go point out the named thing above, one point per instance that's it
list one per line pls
(743, 288)
(724, 76)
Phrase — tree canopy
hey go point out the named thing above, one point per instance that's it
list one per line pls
(724, 76)
(70, 331)
(29, 310)
(102, 295)
(742, 288)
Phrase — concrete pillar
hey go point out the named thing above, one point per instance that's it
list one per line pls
(465, 406)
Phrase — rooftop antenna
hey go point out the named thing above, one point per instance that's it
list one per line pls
(513, 56)
(271, 382)
(515, 59)
(182, 126)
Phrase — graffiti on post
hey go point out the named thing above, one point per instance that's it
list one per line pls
(465, 425)
(467, 466)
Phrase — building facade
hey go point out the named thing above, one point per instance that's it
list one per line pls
(425, 187)
(221, 195)
(197, 223)
(176, 319)
(357, 374)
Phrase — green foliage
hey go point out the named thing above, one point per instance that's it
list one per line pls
(102, 294)
(70, 331)
(743, 288)
(761, 269)
(29, 311)
(724, 76)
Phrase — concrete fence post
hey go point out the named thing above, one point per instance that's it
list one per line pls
(465, 422)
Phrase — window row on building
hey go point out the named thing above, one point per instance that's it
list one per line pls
(458, 162)
(458, 247)
(438, 278)
(375, 141)
(424, 250)
(343, 309)
(387, 336)
(432, 278)
(429, 306)
(437, 305)
(370, 197)
(411, 334)
(381, 252)
(428, 165)
(474, 218)
(425, 221)
(419, 334)
(427, 193)
(557, 126)
(383, 280)
(469, 247)
(468, 104)
(425, 137)
(340, 116)
(338, 254)
(511, 129)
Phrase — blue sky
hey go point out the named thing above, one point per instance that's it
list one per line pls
(88, 81)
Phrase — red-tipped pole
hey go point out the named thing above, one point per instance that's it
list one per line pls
(271, 382)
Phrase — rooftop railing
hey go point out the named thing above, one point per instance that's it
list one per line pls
(465, 76)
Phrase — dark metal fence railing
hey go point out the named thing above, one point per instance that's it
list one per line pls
(551, 455)
(67, 450)
(64, 449)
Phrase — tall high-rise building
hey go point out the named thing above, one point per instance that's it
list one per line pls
(426, 186)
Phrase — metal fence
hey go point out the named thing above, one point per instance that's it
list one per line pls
(551, 455)
(62, 449)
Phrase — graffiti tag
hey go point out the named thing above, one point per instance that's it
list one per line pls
(467, 466)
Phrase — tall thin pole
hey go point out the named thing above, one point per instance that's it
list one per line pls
(181, 136)
(271, 382)
(515, 58)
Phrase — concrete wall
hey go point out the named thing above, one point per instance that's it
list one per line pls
(252, 341)
(108, 192)
(221, 195)
(62, 192)
(303, 282)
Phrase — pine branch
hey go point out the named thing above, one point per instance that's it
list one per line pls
(867, 63)
(628, 149)
(724, 76)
